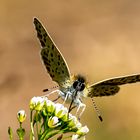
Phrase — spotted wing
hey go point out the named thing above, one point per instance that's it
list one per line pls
(51, 56)
(111, 86)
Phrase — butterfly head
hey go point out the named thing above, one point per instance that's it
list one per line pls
(79, 83)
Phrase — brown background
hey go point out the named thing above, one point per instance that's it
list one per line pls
(99, 39)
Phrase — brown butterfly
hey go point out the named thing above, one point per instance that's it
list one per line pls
(74, 88)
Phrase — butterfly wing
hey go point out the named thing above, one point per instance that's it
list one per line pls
(51, 56)
(111, 86)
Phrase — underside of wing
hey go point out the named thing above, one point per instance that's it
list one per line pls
(51, 56)
(111, 86)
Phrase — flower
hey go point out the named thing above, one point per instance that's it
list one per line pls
(61, 111)
(83, 130)
(55, 117)
(53, 122)
(73, 122)
(37, 103)
(77, 137)
(21, 116)
(78, 125)
(49, 106)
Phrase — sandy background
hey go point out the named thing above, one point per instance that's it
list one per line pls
(99, 39)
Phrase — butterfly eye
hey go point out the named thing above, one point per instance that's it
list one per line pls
(79, 86)
(75, 84)
(82, 87)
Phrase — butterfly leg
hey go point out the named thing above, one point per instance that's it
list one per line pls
(65, 99)
(65, 96)
(56, 99)
(60, 94)
(55, 91)
(83, 109)
(80, 105)
(72, 108)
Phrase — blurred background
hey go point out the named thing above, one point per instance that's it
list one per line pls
(99, 39)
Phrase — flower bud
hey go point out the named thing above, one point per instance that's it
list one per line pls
(75, 137)
(78, 125)
(83, 130)
(73, 121)
(49, 105)
(53, 122)
(61, 111)
(21, 116)
(36, 103)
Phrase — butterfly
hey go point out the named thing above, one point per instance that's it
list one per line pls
(73, 88)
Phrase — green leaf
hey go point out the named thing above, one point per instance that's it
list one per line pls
(21, 133)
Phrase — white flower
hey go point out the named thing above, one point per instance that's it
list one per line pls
(61, 111)
(53, 122)
(21, 116)
(75, 137)
(50, 106)
(73, 121)
(37, 103)
(78, 125)
(83, 130)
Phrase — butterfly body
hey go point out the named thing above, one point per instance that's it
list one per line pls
(74, 88)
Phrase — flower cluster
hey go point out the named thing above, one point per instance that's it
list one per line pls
(54, 119)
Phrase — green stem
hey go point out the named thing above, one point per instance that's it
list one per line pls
(45, 133)
(66, 137)
(32, 136)
(37, 129)
(20, 136)
(48, 135)
(20, 125)
(10, 133)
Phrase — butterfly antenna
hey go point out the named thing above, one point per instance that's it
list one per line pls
(48, 89)
(97, 110)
